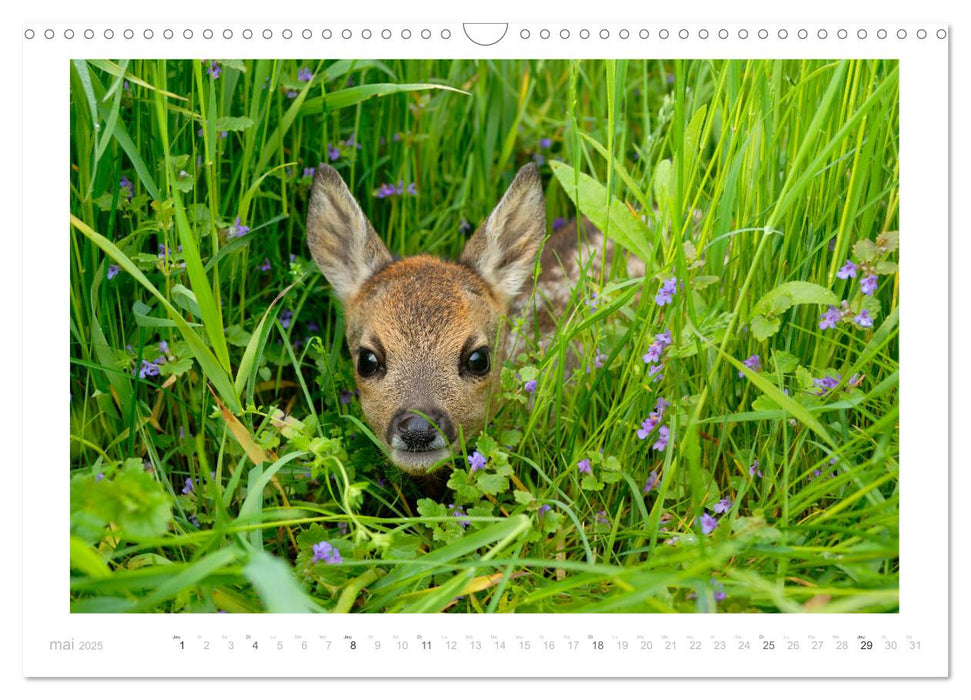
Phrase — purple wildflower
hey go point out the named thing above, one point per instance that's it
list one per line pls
(598, 360)
(723, 506)
(664, 339)
(476, 461)
(99, 476)
(863, 319)
(542, 510)
(285, 317)
(126, 185)
(412, 190)
(386, 190)
(327, 553)
(292, 93)
(545, 143)
(653, 353)
(309, 172)
(112, 271)
(662, 438)
(661, 405)
(602, 517)
(163, 347)
(719, 592)
(827, 383)
(332, 152)
(666, 292)
(189, 486)
(266, 266)
(753, 364)
(457, 512)
(214, 69)
(868, 285)
(304, 75)
(654, 371)
(464, 226)
(651, 482)
(584, 466)
(708, 523)
(148, 369)
(530, 386)
(346, 397)
(647, 426)
(558, 223)
(238, 229)
(754, 470)
(539, 158)
(848, 270)
(312, 327)
(593, 303)
(352, 142)
(830, 318)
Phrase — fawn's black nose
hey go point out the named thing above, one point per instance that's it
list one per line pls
(418, 430)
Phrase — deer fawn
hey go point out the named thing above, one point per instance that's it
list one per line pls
(428, 336)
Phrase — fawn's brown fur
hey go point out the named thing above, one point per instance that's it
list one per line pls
(427, 335)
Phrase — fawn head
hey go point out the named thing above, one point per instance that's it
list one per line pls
(425, 334)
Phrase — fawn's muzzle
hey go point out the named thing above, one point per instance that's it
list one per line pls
(417, 430)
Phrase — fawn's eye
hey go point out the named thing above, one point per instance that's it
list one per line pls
(367, 363)
(478, 362)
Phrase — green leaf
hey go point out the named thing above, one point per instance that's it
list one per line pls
(176, 368)
(703, 281)
(865, 250)
(131, 498)
(183, 296)
(663, 185)
(492, 484)
(693, 132)
(86, 560)
(888, 241)
(590, 483)
(209, 311)
(885, 267)
(510, 438)
(790, 294)
(232, 123)
(278, 589)
(784, 362)
(617, 222)
(523, 497)
(465, 490)
(804, 377)
(763, 328)
(360, 93)
(189, 576)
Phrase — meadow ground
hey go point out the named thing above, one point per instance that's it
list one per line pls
(729, 442)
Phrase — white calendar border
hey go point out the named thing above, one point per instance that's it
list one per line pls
(924, 587)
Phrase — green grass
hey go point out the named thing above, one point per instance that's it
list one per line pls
(739, 178)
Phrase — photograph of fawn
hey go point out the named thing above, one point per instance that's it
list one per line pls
(473, 336)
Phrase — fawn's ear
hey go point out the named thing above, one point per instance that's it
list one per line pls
(503, 249)
(341, 239)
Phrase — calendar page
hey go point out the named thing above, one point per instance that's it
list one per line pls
(441, 348)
